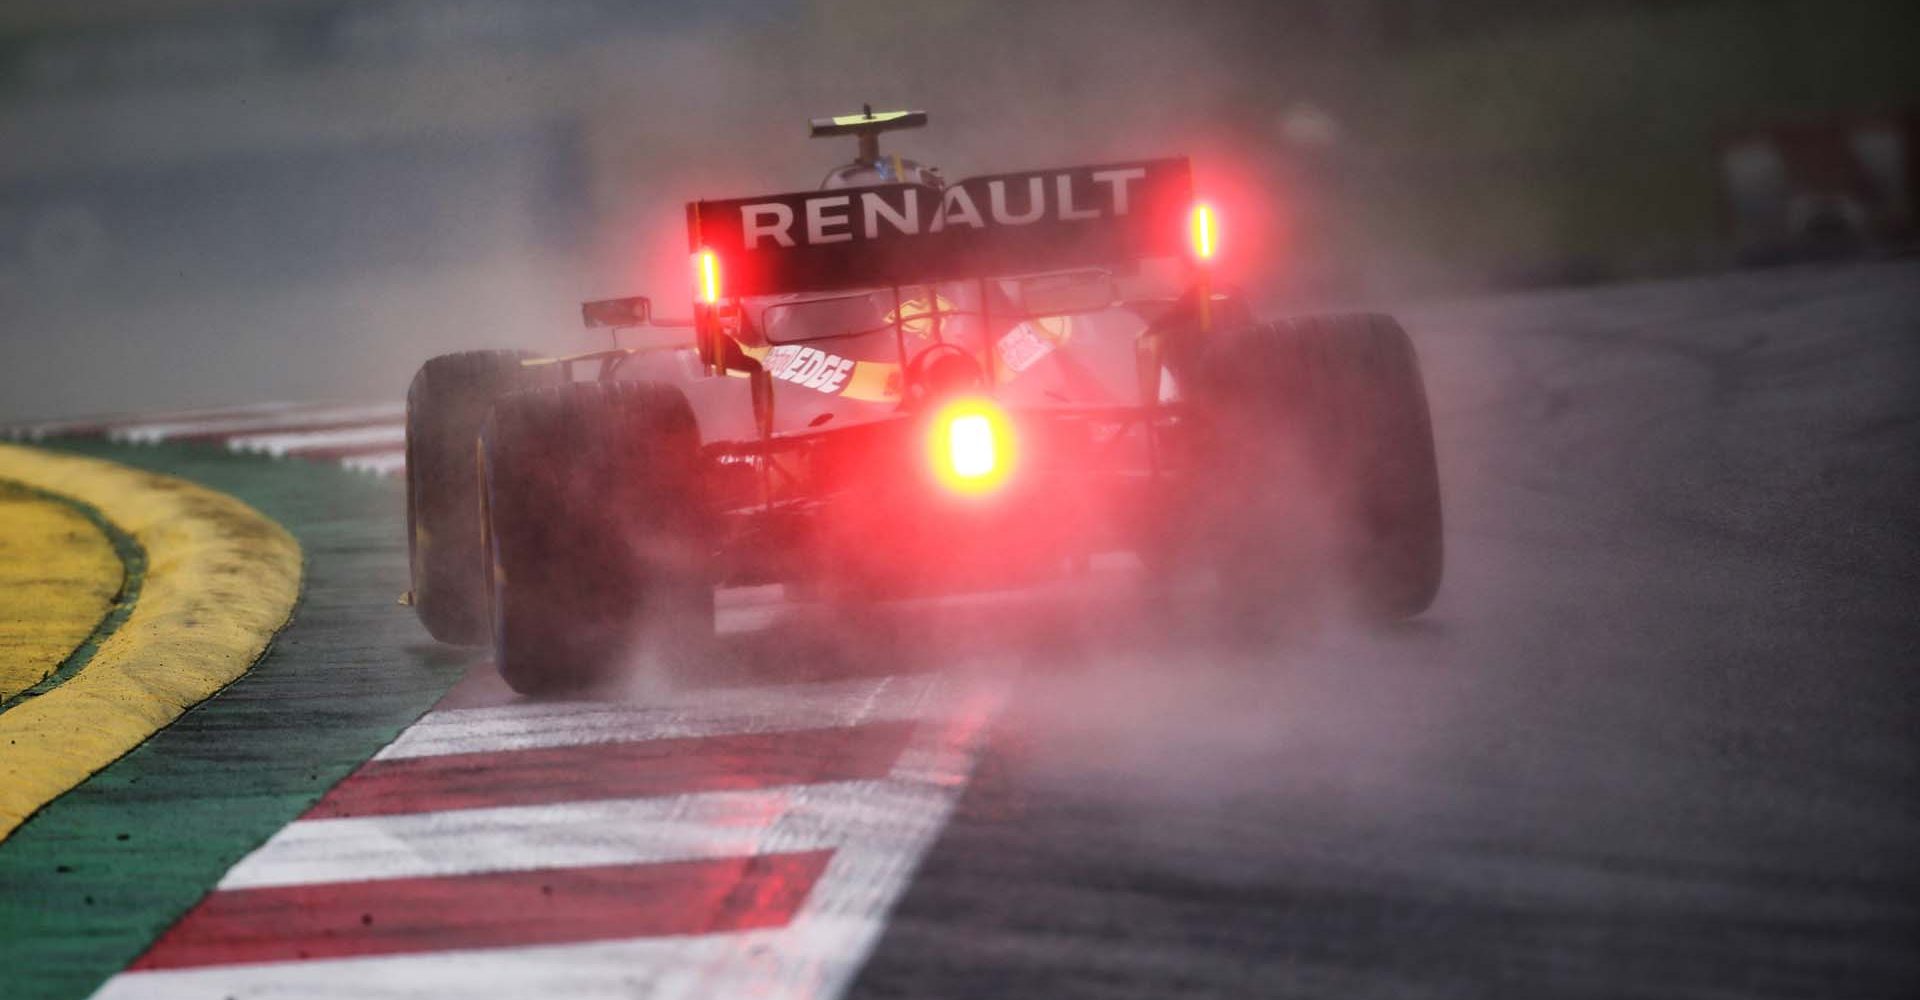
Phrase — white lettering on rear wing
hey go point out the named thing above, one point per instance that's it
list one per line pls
(898, 233)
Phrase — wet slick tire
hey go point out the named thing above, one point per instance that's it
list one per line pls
(598, 533)
(446, 403)
(1321, 477)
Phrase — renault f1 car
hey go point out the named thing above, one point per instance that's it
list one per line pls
(895, 384)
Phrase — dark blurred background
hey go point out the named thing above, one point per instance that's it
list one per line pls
(216, 201)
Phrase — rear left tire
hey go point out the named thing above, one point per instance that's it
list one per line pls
(446, 402)
(599, 539)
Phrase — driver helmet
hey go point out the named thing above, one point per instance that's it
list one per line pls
(885, 170)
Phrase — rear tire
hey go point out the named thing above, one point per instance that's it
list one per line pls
(1320, 463)
(599, 535)
(446, 403)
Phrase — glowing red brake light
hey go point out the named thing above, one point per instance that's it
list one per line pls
(706, 271)
(971, 446)
(1205, 233)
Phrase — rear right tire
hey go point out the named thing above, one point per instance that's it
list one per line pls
(599, 536)
(1320, 465)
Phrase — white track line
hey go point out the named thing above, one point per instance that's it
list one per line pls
(41, 429)
(153, 432)
(709, 713)
(294, 443)
(279, 429)
(690, 827)
(386, 463)
(881, 834)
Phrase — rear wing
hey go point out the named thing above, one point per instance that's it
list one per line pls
(897, 234)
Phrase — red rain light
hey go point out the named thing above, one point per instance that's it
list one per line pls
(971, 446)
(706, 270)
(1205, 232)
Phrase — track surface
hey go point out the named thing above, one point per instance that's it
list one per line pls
(1659, 737)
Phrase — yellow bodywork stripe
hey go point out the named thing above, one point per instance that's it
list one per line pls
(873, 382)
(59, 576)
(221, 580)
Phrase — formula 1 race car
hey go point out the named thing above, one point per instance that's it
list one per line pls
(895, 384)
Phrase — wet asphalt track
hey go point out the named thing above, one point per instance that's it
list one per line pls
(1658, 737)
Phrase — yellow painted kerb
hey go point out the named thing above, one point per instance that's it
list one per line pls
(59, 576)
(221, 580)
